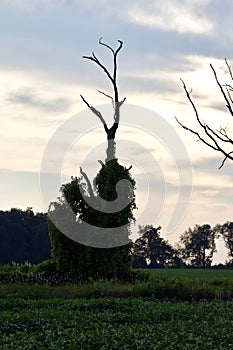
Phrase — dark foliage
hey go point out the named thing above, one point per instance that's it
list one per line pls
(24, 236)
(197, 246)
(85, 261)
(152, 251)
(226, 232)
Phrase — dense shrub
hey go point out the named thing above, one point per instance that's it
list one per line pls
(86, 262)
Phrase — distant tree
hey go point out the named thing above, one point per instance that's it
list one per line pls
(197, 246)
(226, 231)
(152, 251)
(23, 236)
(218, 140)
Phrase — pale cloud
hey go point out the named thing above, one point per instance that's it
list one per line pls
(31, 98)
(161, 88)
(173, 15)
(31, 108)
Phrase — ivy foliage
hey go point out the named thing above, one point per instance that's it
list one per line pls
(85, 261)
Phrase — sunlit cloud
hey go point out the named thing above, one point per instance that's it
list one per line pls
(173, 15)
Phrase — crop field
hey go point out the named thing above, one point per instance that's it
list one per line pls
(115, 323)
(173, 309)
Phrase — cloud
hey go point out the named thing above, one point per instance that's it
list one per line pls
(182, 16)
(33, 99)
(172, 15)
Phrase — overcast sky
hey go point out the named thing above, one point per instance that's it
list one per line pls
(42, 75)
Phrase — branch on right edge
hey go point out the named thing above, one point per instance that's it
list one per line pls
(214, 137)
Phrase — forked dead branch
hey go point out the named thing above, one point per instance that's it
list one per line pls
(116, 103)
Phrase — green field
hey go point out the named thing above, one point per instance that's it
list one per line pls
(173, 309)
(133, 323)
(183, 285)
(194, 274)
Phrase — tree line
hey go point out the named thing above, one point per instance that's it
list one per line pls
(196, 247)
(24, 237)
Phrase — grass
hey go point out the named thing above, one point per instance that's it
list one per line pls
(194, 274)
(185, 285)
(133, 323)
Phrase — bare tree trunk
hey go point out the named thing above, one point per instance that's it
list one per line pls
(111, 150)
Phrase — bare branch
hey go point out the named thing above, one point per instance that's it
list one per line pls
(229, 69)
(229, 95)
(228, 105)
(197, 134)
(217, 134)
(106, 95)
(109, 47)
(96, 112)
(217, 148)
(223, 162)
(223, 132)
(121, 102)
(90, 190)
(97, 61)
(188, 94)
(119, 47)
(229, 86)
(85, 101)
(115, 62)
(209, 131)
(214, 139)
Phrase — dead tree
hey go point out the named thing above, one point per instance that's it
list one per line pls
(218, 140)
(116, 102)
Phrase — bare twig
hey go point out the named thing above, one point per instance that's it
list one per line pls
(229, 69)
(104, 44)
(223, 162)
(229, 95)
(217, 134)
(197, 134)
(228, 105)
(90, 190)
(106, 95)
(223, 132)
(206, 128)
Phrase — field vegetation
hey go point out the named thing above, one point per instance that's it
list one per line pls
(159, 309)
(113, 323)
(25, 281)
